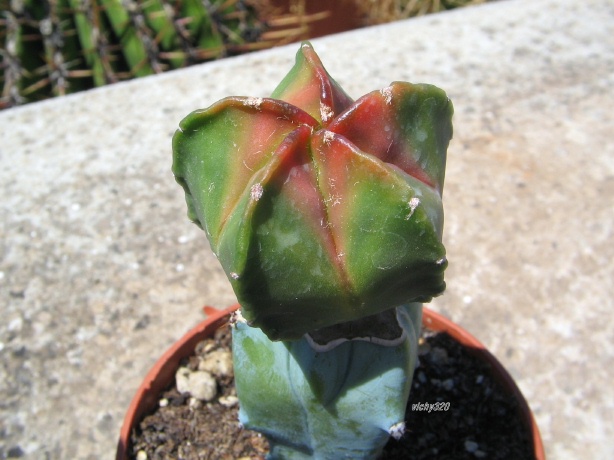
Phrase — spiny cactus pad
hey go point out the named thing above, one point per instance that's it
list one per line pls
(320, 209)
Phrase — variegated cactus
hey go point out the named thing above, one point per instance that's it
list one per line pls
(326, 216)
(321, 210)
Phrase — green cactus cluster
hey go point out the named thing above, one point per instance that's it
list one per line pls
(55, 47)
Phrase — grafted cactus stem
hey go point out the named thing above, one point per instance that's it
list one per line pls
(326, 215)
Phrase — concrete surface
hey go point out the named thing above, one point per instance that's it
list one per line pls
(100, 269)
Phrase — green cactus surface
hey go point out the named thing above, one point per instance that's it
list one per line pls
(321, 209)
(343, 403)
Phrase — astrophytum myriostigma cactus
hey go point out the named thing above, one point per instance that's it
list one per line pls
(326, 215)
(321, 210)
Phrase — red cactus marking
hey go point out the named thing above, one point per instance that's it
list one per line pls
(372, 124)
(301, 186)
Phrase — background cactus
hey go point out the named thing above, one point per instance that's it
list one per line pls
(55, 47)
(326, 215)
(382, 11)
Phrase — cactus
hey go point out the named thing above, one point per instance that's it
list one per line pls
(394, 10)
(326, 216)
(54, 47)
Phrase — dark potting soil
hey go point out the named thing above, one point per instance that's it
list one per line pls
(462, 413)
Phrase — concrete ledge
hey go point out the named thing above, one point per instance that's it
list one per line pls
(100, 270)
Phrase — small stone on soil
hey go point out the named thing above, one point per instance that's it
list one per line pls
(199, 384)
(471, 446)
(229, 401)
(218, 363)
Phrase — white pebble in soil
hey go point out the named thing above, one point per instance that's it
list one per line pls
(229, 401)
(218, 363)
(199, 384)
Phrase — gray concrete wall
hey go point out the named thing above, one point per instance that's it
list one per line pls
(100, 270)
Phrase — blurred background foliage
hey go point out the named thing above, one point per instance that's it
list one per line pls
(54, 47)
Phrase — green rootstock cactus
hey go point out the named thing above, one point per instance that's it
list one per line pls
(342, 403)
(326, 216)
(321, 210)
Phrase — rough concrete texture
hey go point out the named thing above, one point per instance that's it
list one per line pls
(101, 270)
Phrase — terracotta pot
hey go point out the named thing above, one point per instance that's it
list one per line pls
(161, 376)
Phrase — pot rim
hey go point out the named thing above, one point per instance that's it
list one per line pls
(163, 371)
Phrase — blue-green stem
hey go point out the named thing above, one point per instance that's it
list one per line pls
(341, 403)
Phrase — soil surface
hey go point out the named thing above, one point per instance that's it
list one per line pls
(463, 414)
